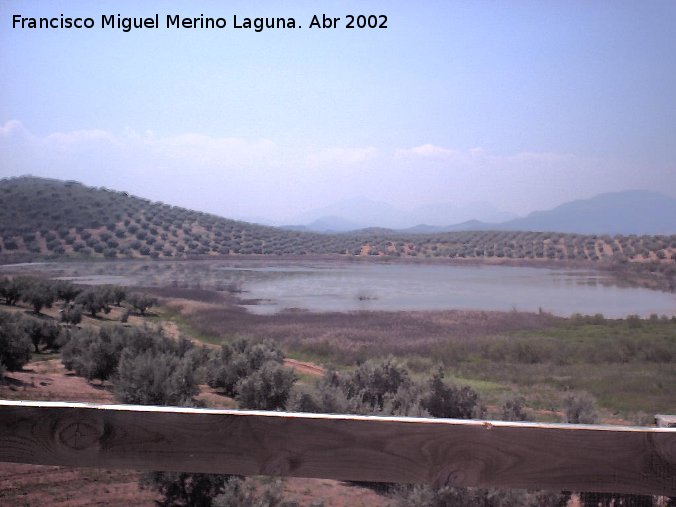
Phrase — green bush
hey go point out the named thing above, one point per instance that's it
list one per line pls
(252, 373)
(71, 314)
(92, 354)
(238, 360)
(267, 388)
(42, 333)
(141, 302)
(178, 489)
(154, 379)
(444, 400)
(39, 294)
(65, 290)
(580, 408)
(385, 388)
(513, 408)
(11, 289)
(237, 492)
(95, 300)
(373, 381)
(15, 345)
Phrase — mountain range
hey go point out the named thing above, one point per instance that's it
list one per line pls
(627, 212)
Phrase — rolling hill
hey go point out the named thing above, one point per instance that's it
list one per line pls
(43, 219)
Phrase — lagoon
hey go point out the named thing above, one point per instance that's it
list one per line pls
(270, 286)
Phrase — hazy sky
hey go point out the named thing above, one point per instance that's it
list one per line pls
(523, 104)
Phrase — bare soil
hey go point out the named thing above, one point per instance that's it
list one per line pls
(304, 367)
(39, 486)
(49, 380)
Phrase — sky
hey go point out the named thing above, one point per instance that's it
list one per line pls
(523, 105)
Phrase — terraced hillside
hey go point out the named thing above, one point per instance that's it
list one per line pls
(42, 218)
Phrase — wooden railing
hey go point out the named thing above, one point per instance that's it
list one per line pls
(383, 449)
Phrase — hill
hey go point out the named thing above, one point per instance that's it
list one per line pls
(43, 218)
(630, 212)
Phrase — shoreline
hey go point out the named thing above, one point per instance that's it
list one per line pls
(629, 274)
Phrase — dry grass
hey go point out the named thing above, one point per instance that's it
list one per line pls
(354, 336)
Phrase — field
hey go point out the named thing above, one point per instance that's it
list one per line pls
(499, 353)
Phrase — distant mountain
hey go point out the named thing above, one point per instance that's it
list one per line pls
(442, 214)
(327, 225)
(629, 212)
(359, 213)
(469, 225)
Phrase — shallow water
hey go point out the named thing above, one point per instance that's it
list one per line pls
(436, 287)
(347, 286)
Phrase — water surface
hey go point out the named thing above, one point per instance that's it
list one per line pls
(436, 287)
(346, 286)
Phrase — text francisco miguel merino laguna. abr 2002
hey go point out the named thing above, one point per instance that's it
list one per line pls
(201, 22)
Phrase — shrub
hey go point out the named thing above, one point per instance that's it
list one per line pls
(447, 496)
(15, 346)
(580, 408)
(372, 381)
(186, 489)
(154, 379)
(267, 388)
(71, 314)
(245, 370)
(92, 354)
(39, 294)
(95, 354)
(238, 492)
(118, 294)
(65, 290)
(125, 316)
(141, 302)
(41, 332)
(513, 408)
(444, 400)
(634, 322)
(94, 300)
(11, 289)
(11, 244)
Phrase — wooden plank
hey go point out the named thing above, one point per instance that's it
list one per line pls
(385, 449)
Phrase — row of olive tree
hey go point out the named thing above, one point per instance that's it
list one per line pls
(39, 293)
(42, 293)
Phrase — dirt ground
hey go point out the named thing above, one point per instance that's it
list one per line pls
(32, 485)
(48, 380)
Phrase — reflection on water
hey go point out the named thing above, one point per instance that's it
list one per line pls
(346, 286)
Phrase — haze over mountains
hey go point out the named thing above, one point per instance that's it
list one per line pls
(360, 213)
(628, 212)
